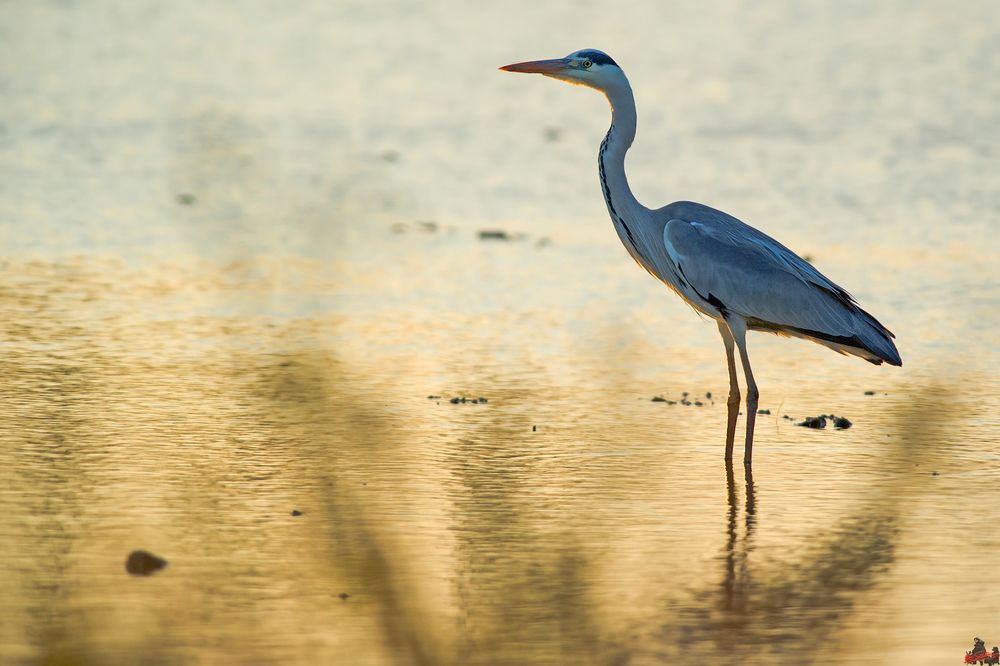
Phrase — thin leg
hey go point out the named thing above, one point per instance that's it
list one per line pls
(734, 389)
(739, 331)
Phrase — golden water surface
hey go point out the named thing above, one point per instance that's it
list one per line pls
(239, 250)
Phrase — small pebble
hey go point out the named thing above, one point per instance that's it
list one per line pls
(841, 422)
(657, 398)
(869, 392)
(534, 428)
(296, 512)
(708, 395)
(433, 397)
(493, 234)
(343, 596)
(814, 422)
(934, 474)
(763, 411)
(143, 563)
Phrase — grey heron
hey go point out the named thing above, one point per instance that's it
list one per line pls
(739, 276)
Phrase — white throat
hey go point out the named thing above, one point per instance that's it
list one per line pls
(623, 207)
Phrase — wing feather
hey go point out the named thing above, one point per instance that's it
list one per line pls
(750, 274)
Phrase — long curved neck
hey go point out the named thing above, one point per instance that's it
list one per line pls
(622, 204)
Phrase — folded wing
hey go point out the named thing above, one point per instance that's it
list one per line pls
(744, 272)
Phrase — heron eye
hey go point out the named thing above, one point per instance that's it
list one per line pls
(587, 64)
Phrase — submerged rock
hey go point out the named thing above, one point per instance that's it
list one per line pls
(296, 512)
(143, 563)
(841, 422)
(813, 422)
(763, 411)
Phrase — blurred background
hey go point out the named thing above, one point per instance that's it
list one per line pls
(251, 251)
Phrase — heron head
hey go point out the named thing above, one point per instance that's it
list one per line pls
(587, 67)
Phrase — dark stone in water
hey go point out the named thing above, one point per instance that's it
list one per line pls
(841, 422)
(473, 401)
(343, 596)
(296, 512)
(143, 563)
(869, 392)
(813, 422)
(708, 395)
(763, 411)
(534, 428)
(658, 398)
(493, 234)
(433, 397)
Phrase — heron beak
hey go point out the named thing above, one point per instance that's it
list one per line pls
(546, 67)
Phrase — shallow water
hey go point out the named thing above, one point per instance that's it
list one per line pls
(240, 249)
